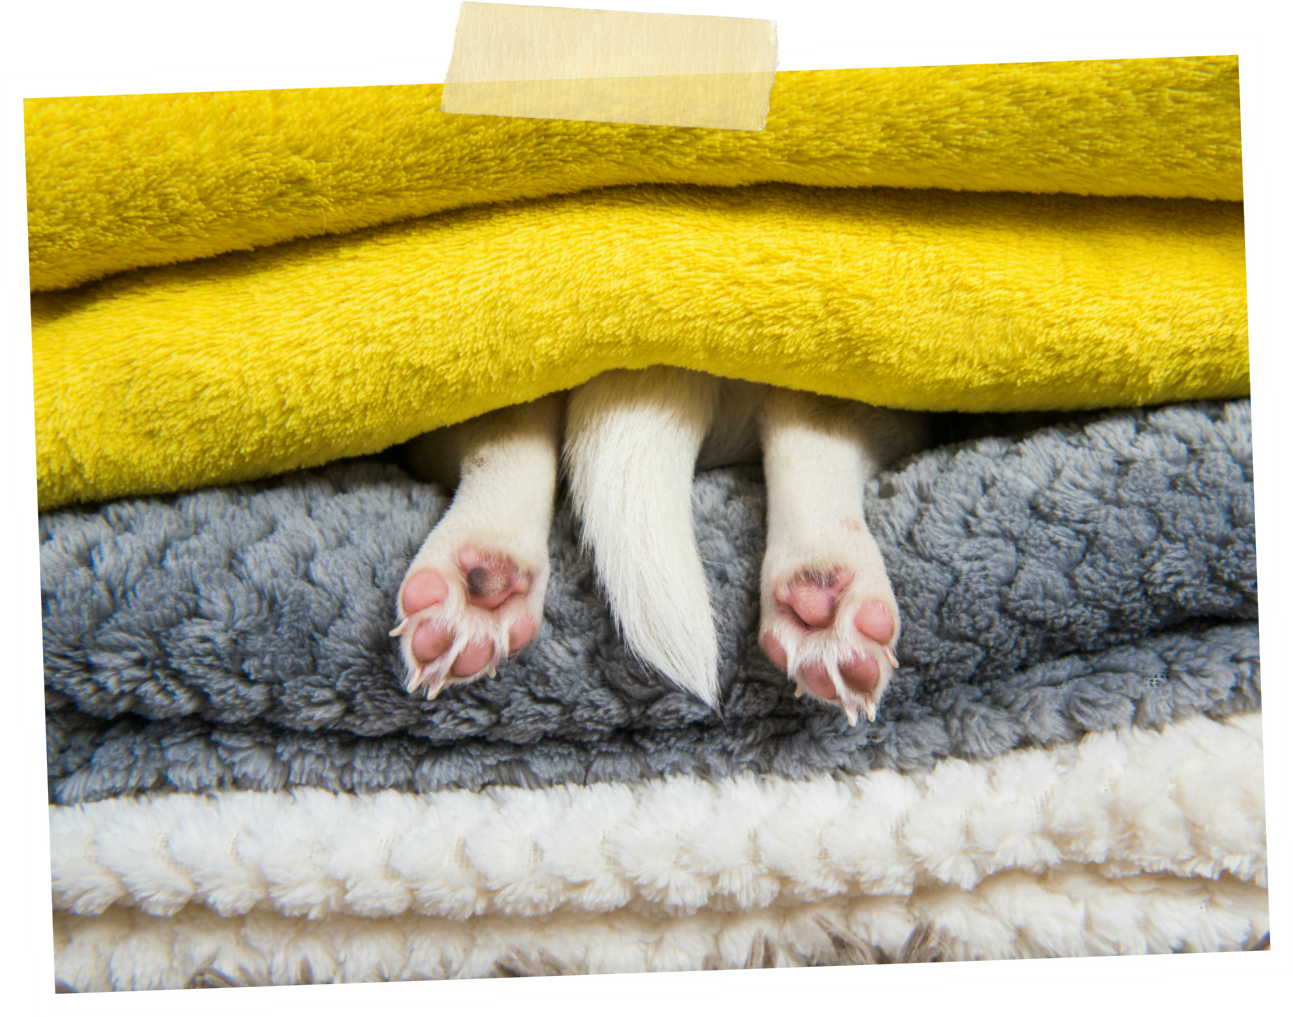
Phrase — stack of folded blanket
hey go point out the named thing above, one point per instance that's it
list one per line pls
(230, 287)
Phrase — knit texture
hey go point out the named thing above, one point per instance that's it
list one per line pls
(1079, 578)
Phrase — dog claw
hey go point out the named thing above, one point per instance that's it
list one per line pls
(437, 686)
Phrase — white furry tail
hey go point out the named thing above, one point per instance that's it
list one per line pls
(632, 438)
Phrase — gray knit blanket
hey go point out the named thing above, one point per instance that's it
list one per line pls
(1075, 578)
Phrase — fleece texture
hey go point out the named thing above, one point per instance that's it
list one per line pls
(1125, 842)
(1000, 237)
(1070, 762)
(118, 182)
(1077, 578)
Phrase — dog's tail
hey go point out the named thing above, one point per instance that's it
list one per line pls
(632, 438)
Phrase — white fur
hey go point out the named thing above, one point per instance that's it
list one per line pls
(632, 445)
(632, 441)
(505, 468)
(818, 455)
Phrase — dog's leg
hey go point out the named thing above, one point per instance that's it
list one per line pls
(828, 613)
(632, 438)
(474, 593)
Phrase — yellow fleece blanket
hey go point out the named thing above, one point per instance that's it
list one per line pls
(526, 281)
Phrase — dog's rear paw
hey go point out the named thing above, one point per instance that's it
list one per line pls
(460, 614)
(834, 631)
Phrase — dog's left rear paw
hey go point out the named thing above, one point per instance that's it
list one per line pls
(834, 631)
(462, 612)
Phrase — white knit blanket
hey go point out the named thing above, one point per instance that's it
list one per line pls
(1131, 841)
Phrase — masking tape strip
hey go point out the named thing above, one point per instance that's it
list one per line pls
(675, 70)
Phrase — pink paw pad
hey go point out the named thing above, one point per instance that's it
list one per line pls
(488, 585)
(805, 635)
(860, 671)
(434, 637)
(874, 621)
(490, 579)
(473, 657)
(423, 590)
(813, 597)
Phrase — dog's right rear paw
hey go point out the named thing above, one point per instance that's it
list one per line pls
(834, 633)
(461, 614)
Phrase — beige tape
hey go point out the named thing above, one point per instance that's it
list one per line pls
(560, 63)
